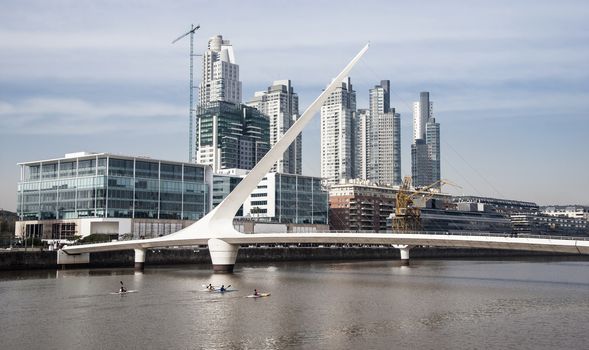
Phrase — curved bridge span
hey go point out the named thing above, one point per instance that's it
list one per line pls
(224, 250)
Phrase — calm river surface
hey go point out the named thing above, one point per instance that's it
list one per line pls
(434, 304)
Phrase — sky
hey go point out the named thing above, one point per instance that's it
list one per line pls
(509, 80)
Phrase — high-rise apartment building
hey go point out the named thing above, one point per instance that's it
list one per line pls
(361, 146)
(383, 138)
(423, 110)
(425, 150)
(432, 139)
(337, 134)
(377, 135)
(420, 164)
(281, 104)
(227, 133)
(231, 136)
(220, 73)
(380, 97)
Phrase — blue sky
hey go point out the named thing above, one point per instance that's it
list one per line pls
(509, 80)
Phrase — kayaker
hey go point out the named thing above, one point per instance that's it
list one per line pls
(222, 288)
(123, 289)
(210, 287)
(256, 292)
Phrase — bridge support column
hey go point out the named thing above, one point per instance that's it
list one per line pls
(404, 253)
(223, 255)
(139, 259)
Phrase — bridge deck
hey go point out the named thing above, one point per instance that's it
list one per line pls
(550, 244)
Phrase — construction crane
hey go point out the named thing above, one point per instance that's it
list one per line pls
(191, 119)
(407, 215)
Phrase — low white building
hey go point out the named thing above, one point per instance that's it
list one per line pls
(569, 211)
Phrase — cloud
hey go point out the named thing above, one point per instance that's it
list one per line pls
(107, 71)
(62, 116)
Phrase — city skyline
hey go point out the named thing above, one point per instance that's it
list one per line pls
(509, 99)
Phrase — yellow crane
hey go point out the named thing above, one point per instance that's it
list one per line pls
(407, 216)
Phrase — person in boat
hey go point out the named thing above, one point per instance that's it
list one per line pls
(210, 287)
(222, 288)
(123, 289)
(256, 292)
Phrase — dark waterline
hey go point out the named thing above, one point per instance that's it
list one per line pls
(434, 304)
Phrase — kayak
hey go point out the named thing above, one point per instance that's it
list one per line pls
(260, 295)
(215, 288)
(224, 291)
(127, 292)
(218, 290)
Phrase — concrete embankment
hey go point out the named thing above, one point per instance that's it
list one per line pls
(176, 256)
(28, 260)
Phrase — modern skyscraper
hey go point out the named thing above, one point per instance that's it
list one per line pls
(220, 73)
(425, 150)
(337, 134)
(422, 111)
(361, 146)
(432, 139)
(383, 138)
(281, 104)
(231, 136)
(420, 164)
(380, 97)
(228, 134)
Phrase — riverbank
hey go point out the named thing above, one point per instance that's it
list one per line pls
(19, 260)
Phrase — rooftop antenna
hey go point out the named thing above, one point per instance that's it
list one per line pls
(191, 120)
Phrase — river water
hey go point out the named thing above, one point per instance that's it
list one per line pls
(434, 304)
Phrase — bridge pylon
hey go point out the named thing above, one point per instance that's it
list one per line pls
(223, 255)
(139, 259)
(404, 250)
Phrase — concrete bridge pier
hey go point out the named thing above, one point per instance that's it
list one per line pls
(223, 255)
(404, 253)
(139, 259)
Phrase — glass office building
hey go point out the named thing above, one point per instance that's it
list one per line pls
(231, 136)
(289, 198)
(102, 185)
(222, 186)
(105, 185)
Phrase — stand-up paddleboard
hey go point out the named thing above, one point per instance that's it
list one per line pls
(260, 295)
(123, 293)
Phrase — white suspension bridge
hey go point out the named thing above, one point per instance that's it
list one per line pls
(217, 232)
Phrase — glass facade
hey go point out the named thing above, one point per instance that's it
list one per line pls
(300, 200)
(103, 185)
(239, 133)
(222, 186)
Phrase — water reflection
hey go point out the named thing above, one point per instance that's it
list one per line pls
(328, 305)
